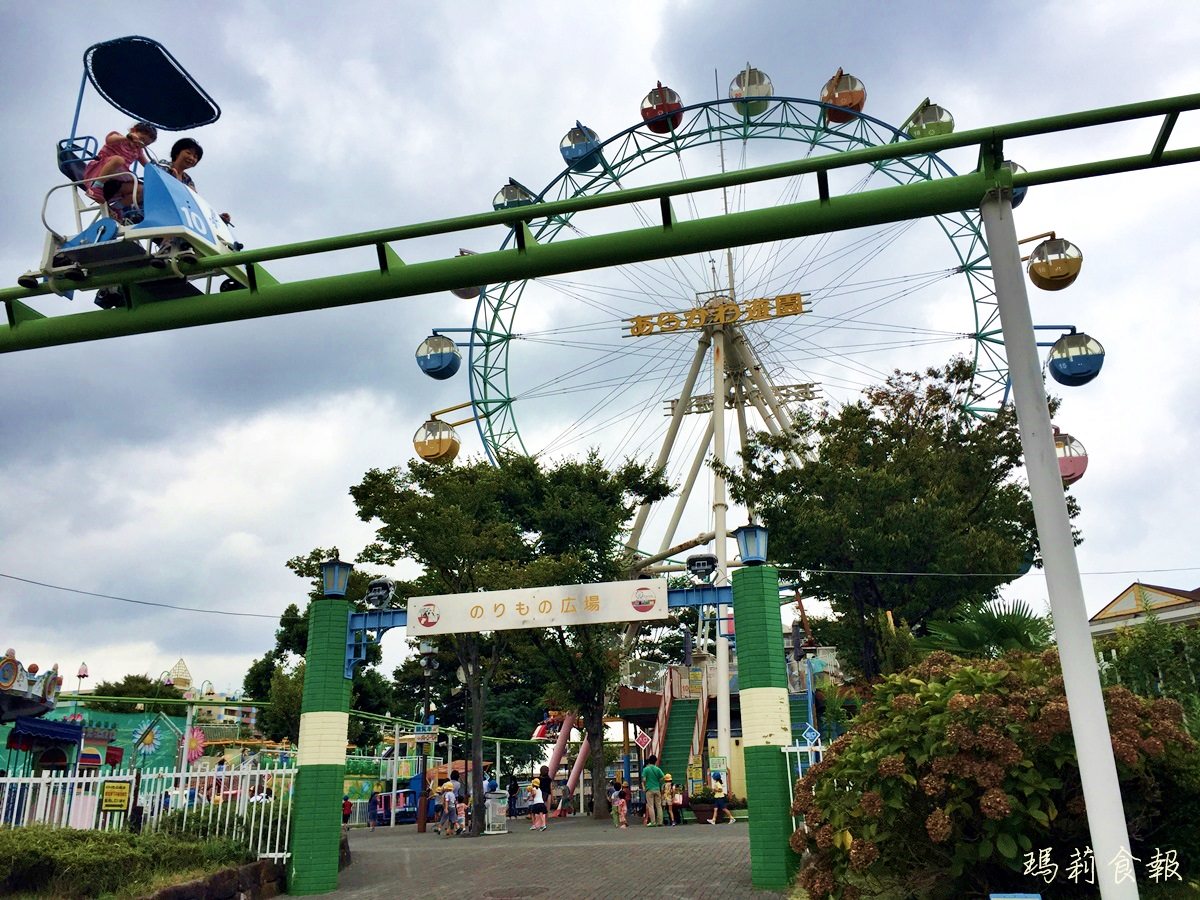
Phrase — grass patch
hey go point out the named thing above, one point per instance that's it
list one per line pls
(45, 862)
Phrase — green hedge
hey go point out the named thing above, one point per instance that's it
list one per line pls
(71, 863)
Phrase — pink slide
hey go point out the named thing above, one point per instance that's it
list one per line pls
(560, 746)
(576, 771)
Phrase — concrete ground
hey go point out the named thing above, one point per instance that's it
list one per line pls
(576, 859)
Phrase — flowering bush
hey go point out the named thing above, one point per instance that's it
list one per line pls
(957, 774)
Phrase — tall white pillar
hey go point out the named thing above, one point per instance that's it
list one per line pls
(720, 530)
(1081, 679)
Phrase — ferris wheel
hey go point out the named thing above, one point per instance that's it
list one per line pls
(631, 360)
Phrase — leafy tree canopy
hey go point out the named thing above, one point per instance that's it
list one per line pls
(135, 686)
(892, 490)
(475, 526)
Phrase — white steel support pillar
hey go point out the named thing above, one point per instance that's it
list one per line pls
(396, 770)
(720, 536)
(1089, 724)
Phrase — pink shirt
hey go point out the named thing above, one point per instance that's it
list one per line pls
(126, 149)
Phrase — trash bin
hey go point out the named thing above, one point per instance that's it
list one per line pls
(495, 813)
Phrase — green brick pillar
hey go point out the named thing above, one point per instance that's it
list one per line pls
(766, 724)
(321, 758)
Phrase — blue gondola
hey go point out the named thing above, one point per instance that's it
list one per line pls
(1018, 193)
(1075, 359)
(140, 79)
(438, 357)
(580, 148)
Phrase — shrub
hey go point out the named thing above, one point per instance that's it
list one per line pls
(956, 771)
(70, 863)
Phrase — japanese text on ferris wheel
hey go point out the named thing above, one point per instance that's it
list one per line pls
(722, 311)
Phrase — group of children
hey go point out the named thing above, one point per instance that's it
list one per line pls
(453, 805)
(619, 796)
(672, 797)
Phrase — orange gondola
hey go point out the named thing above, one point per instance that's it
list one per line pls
(845, 94)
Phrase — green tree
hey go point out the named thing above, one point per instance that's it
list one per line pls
(371, 691)
(477, 527)
(282, 718)
(1156, 659)
(142, 686)
(893, 490)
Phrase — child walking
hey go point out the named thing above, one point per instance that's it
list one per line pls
(450, 809)
(537, 806)
(621, 808)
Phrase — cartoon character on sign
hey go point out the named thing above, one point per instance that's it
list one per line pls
(644, 600)
(429, 615)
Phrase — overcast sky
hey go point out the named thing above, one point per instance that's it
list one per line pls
(186, 467)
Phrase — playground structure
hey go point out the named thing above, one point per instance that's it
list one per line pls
(26, 690)
(995, 187)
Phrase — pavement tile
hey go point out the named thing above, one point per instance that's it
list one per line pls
(579, 858)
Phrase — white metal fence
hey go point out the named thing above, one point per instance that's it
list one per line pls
(246, 804)
(801, 756)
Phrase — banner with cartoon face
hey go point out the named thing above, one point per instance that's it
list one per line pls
(544, 607)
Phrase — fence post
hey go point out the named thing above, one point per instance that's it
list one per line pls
(321, 759)
(766, 723)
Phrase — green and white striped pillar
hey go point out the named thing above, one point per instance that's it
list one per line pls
(321, 759)
(766, 724)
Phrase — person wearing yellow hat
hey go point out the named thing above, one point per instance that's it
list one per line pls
(537, 806)
(672, 798)
(449, 804)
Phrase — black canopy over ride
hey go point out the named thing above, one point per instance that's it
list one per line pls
(142, 79)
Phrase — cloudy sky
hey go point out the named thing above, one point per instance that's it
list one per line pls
(186, 467)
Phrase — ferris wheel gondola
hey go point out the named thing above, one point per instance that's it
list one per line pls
(845, 94)
(1075, 359)
(1072, 457)
(661, 109)
(1054, 264)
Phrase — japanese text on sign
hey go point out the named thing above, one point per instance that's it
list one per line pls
(720, 312)
(115, 796)
(543, 607)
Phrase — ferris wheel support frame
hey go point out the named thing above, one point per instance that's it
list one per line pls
(677, 414)
(1081, 678)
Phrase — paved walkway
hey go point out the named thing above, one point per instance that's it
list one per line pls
(575, 859)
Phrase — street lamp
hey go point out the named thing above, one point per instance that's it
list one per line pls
(752, 544)
(335, 575)
(76, 716)
(429, 664)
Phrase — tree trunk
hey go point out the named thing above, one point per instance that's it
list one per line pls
(594, 724)
(467, 646)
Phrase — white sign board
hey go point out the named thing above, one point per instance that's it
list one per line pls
(543, 607)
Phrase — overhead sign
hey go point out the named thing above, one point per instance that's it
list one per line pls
(720, 311)
(543, 607)
(418, 736)
(115, 796)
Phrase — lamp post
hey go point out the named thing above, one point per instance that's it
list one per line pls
(79, 676)
(429, 665)
(321, 757)
(766, 716)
